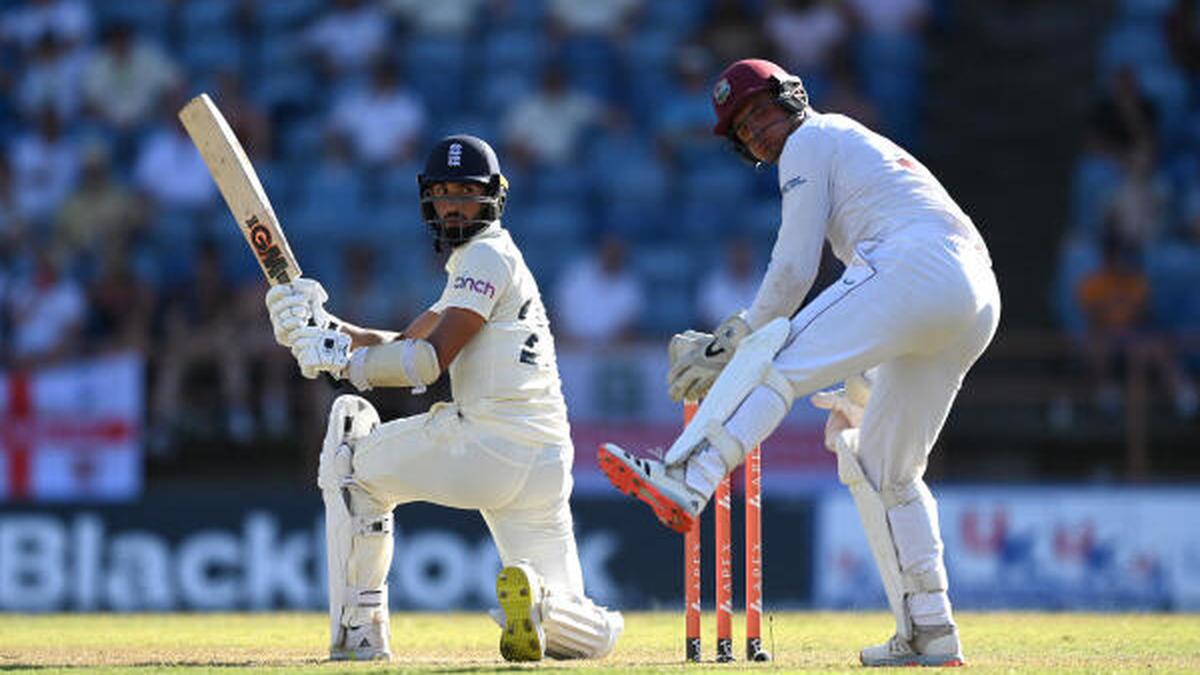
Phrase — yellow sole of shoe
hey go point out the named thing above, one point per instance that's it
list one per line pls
(520, 640)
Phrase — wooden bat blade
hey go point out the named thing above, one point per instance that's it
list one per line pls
(244, 195)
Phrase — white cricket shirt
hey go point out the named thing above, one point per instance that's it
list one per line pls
(842, 181)
(507, 375)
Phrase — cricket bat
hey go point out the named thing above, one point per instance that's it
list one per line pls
(234, 175)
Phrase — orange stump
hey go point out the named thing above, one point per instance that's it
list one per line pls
(692, 561)
(691, 566)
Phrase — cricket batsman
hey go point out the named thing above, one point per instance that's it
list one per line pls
(917, 304)
(502, 446)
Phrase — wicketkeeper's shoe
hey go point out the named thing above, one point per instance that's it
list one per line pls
(519, 593)
(363, 643)
(930, 646)
(656, 484)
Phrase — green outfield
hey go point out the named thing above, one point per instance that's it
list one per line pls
(293, 643)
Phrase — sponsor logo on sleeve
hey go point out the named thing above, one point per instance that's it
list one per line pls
(481, 286)
(793, 183)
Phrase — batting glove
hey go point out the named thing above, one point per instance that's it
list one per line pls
(296, 305)
(321, 350)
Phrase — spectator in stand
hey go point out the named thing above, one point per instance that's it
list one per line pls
(1124, 115)
(202, 328)
(1137, 211)
(12, 231)
(546, 128)
(383, 120)
(53, 79)
(1115, 302)
(248, 120)
(362, 299)
(449, 18)
(728, 289)
(891, 58)
(891, 17)
(12, 222)
(807, 35)
(1120, 121)
(274, 367)
(732, 31)
(348, 38)
(126, 78)
(100, 211)
(45, 166)
(611, 18)
(683, 121)
(599, 299)
(121, 304)
(68, 21)
(169, 170)
(844, 94)
(47, 310)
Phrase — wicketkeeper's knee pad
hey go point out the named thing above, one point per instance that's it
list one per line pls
(358, 528)
(753, 365)
(577, 628)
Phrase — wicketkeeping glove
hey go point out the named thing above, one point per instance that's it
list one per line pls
(697, 358)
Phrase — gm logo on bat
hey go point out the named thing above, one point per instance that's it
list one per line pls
(269, 255)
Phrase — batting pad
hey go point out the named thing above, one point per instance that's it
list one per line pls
(576, 628)
(358, 533)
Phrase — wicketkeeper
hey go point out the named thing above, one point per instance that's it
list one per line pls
(502, 446)
(916, 306)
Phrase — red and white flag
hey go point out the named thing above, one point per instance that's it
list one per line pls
(72, 432)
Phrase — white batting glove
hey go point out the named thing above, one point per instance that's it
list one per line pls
(296, 305)
(321, 350)
(697, 358)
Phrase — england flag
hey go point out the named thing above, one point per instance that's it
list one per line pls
(72, 432)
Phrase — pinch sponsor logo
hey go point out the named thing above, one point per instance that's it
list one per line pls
(481, 286)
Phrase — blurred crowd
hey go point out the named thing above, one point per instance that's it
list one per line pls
(113, 237)
(1129, 264)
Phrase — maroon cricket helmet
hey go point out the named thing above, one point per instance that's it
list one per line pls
(745, 78)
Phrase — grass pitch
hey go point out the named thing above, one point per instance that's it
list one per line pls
(653, 642)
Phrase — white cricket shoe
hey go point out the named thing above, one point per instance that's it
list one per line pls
(930, 646)
(519, 592)
(656, 484)
(363, 643)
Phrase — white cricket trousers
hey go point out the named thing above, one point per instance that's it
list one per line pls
(442, 457)
(920, 308)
